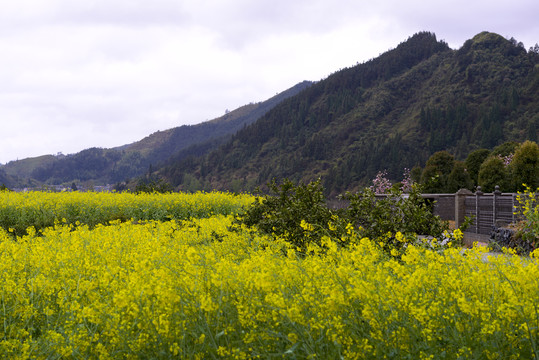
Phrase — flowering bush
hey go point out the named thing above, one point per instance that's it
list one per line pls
(527, 236)
(408, 214)
(380, 184)
(298, 214)
(407, 182)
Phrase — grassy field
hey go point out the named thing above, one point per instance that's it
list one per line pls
(121, 276)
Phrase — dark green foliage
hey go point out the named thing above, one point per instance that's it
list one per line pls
(151, 184)
(525, 166)
(121, 186)
(444, 125)
(505, 149)
(415, 174)
(509, 165)
(431, 180)
(282, 212)
(378, 215)
(532, 129)
(443, 161)
(436, 173)
(5, 179)
(474, 161)
(459, 178)
(4, 188)
(300, 215)
(386, 114)
(491, 173)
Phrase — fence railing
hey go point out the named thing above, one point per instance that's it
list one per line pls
(490, 209)
(485, 209)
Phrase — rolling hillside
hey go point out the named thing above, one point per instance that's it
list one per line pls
(102, 166)
(391, 113)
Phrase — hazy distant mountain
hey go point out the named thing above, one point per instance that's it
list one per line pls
(391, 112)
(102, 166)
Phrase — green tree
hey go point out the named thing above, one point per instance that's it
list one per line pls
(473, 163)
(459, 178)
(299, 213)
(505, 149)
(525, 166)
(415, 174)
(152, 184)
(436, 172)
(532, 130)
(430, 180)
(491, 173)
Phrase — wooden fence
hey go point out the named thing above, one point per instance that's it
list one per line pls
(487, 209)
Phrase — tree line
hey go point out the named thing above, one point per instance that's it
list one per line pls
(512, 166)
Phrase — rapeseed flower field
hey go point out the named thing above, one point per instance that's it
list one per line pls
(121, 276)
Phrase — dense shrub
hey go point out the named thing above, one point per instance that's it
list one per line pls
(525, 166)
(300, 215)
(435, 175)
(491, 173)
(528, 228)
(522, 237)
(297, 213)
(459, 178)
(473, 163)
(152, 184)
(409, 214)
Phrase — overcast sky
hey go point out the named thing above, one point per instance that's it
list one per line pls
(104, 73)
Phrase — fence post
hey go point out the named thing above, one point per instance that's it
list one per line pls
(496, 193)
(514, 208)
(478, 194)
(460, 206)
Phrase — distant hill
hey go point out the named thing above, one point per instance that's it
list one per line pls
(23, 168)
(5, 179)
(389, 113)
(101, 166)
(161, 145)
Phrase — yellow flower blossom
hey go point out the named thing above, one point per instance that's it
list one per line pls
(192, 288)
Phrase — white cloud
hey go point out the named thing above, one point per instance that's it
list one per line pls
(108, 72)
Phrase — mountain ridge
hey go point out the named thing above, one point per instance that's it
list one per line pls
(120, 163)
(389, 113)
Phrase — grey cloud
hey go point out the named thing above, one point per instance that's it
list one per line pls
(139, 66)
(130, 13)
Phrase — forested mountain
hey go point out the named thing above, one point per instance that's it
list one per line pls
(391, 113)
(5, 179)
(102, 166)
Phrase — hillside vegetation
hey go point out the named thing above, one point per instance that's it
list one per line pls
(102, 166)
(392, 112)
(388, 114)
